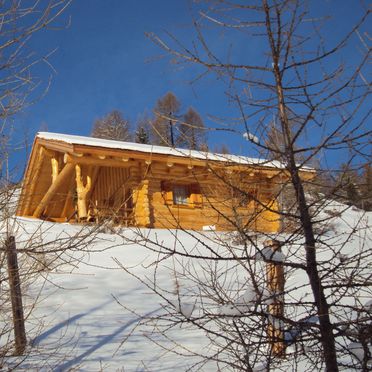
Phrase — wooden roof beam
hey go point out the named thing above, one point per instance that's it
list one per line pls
(55, 145)
(31, 180)
(138, 155)
(97, 161)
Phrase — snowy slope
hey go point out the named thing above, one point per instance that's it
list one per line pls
(88, 305)
(78, 321)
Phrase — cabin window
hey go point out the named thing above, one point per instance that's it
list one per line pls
(181, 195)
(185, 195)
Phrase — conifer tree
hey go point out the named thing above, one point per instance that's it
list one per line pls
(142, 135)
(366, 188)
(348, 185)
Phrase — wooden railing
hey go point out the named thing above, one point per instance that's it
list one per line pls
(121, 216)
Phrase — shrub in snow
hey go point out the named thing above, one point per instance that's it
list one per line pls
(246, 301)
(186, 309)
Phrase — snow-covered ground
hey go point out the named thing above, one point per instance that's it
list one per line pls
(80, 320)
(88, 307)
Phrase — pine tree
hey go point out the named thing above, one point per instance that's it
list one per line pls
(143, 127)
(142, 135)
(366, 188)
(348, 185)
(112, 126)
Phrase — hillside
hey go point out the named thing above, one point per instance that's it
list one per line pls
(87, 306)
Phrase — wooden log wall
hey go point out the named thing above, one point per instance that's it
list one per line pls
(143, 209)
(165, 214)
(218, 208)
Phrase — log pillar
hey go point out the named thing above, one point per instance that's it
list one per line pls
(275, 284)
(55, 169)
(82, 192)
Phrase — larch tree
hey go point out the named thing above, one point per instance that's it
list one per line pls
(192, 131)
(113, 126)
(164, 126)
(296, 73)
(222, 149)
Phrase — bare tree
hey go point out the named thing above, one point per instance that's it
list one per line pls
(20, 82)
(20, 21)
(192, 131)
(112, 126)
(21, 85)
(320, 105)
(222, 149)
(163, 130)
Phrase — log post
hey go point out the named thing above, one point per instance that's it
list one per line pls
(16, 297)
(275, 284)
(55, 169)
(82, 191)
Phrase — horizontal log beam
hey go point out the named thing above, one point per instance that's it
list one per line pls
(183, 159)
(55, 145)
(263, 169)
(61, 178)
(95, 161)
(138, 155)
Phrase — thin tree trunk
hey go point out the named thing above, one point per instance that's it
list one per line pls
(326, 332)
(16, 297)
(325, 326)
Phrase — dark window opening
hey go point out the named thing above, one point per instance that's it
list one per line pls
(181, 195)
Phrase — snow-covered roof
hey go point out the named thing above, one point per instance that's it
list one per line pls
(163, 150)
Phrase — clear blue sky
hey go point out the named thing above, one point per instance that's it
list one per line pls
(104, 61)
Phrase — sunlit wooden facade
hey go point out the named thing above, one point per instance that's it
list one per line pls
(80, 179)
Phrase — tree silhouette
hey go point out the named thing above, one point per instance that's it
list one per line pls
(112, 126)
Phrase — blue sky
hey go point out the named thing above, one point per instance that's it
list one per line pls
(104, 61)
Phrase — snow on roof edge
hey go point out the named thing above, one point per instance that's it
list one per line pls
(163, 150)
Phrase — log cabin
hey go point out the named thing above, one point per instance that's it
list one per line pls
(82, 179)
